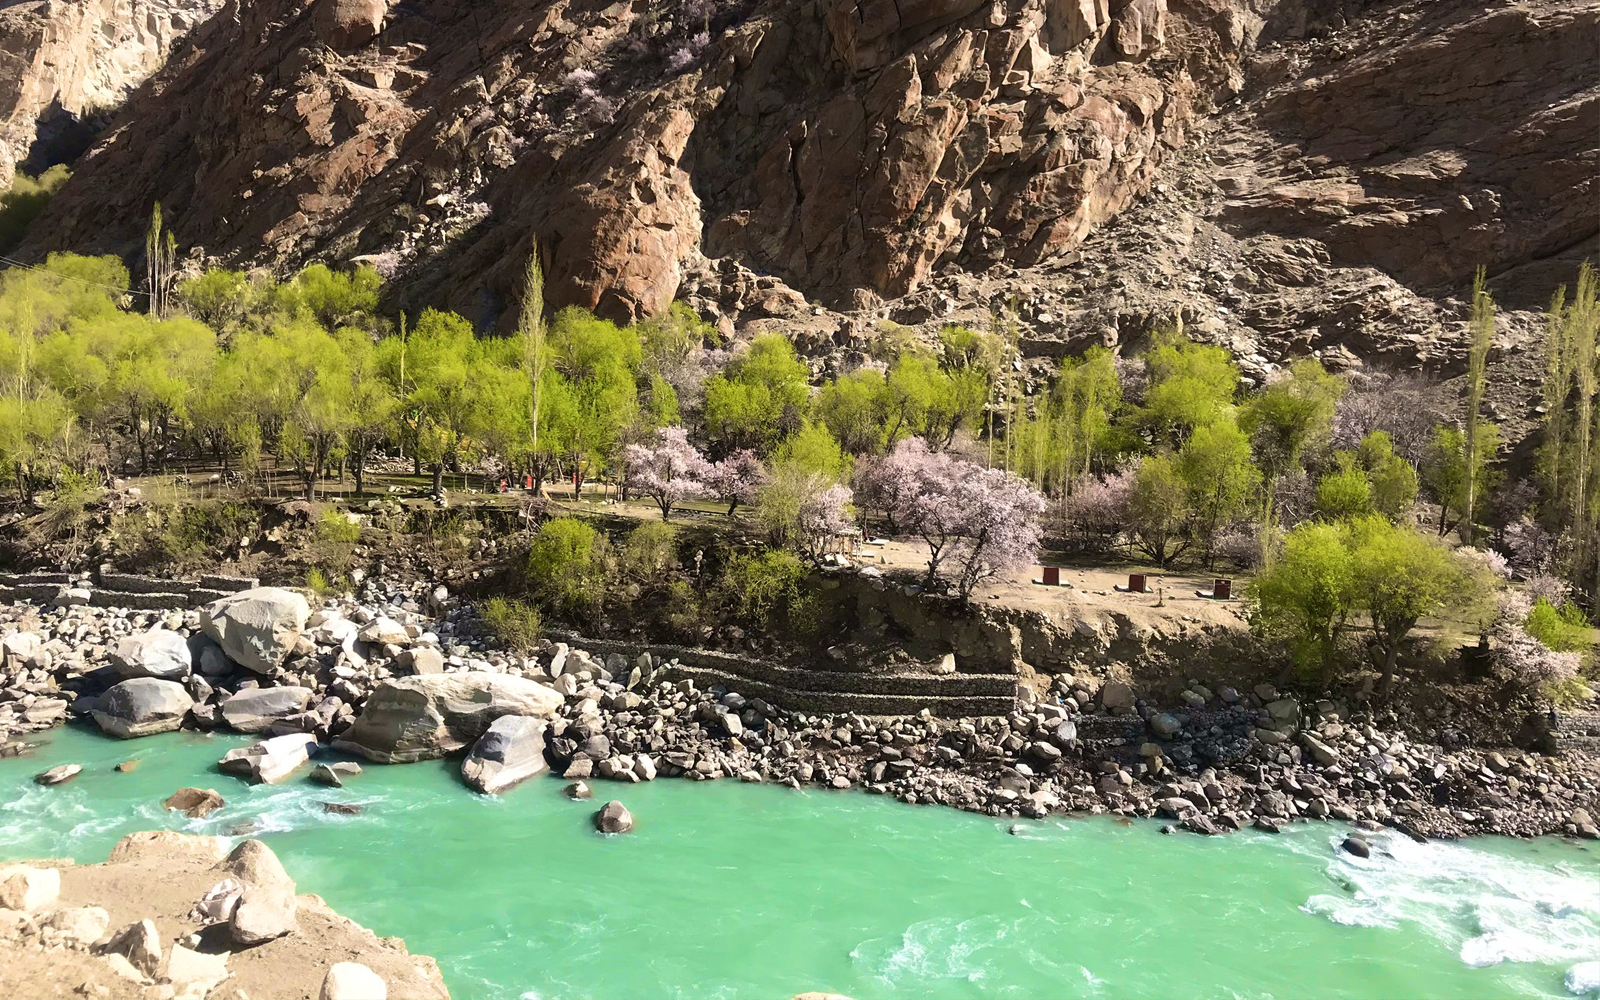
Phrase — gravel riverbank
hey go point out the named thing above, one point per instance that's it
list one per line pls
(407, 674)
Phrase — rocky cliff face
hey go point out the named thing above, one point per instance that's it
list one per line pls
(1287, 175)
(66, 63)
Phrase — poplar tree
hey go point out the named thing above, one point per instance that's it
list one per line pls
(534, 336)
(1480, 327)
(1569, 459)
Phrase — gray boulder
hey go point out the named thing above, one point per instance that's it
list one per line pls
(270, 761)
(335, 773)
(257, 628)
(511, 751)
(157, 653)
(1165, 725)
(253, 709)
(142, 706)
(421, 718)
(613, 817)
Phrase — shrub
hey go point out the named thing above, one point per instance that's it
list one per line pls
(683, 611)
(568, 564)
(1562, 629)
(335, 527)
(757, 584)
(515, 623)
(649, 551)
(321, 585)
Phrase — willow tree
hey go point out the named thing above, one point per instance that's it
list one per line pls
(1284, 419)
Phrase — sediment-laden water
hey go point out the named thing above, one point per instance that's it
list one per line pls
(730, 890)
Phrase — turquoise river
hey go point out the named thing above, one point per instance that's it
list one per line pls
(730, 890)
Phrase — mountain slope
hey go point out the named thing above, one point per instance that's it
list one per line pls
(1289, 175)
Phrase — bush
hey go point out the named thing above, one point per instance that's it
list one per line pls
(192, 534)
(568, 565)
(324, 586)
(649, 551)
(683, 612)
(335, 527)
(757, 584)
(515, 623)
(1562, 629)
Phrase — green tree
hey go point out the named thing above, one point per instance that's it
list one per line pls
(597, 362)
(812, 449)
(1219, 480)
(1307, 594)
(1345, 493)
(1449, 469)
(1569, 458)
(759, 398)
(25, 200)
(854, 408)
(1158, 509)
(1480, 327)
(1288, 416)
(1393, 479)
(1191, 385)
(1401, 576)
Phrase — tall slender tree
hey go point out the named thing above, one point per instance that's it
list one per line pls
(1480, 327)
(535, 334)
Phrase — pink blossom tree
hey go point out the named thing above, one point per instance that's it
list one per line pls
(1097, 508)
(823, 516)
(669, 469)
(736, 479)
(889, 485)
(984, 520)
(1000, 525)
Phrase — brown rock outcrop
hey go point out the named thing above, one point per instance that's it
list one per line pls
(63, 62)
(1287, 175)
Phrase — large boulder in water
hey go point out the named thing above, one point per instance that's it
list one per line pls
(613, 817)
(254, 709)
(142, 706)
(270, 761)
(511, 751)
(419, 718)
(257, 628)
(157, 653)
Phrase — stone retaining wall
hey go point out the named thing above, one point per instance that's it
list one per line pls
(805, 690)
(123, 590)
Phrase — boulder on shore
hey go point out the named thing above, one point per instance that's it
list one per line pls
(159, 653)
(257, 628)
(352, 981)
(511, 751)
(420, 718)
(142, 706)
(254, 709)
(269, 761)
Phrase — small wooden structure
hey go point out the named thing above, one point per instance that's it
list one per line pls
(1137, 584)
(1050, 576)
(1221, 590)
